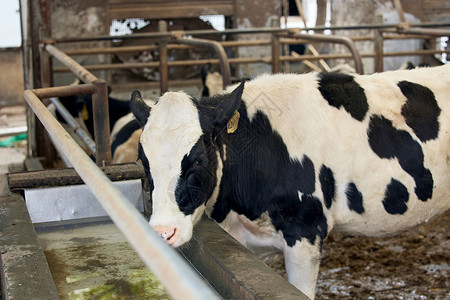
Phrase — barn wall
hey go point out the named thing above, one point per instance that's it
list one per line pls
(250, 14)
(436, 10)
(80, 18)
(11, 76)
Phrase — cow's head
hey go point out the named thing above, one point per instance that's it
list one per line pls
(180, 157)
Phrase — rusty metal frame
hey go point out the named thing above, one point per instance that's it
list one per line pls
(220, 51)
(181, 37)
(184, 40)
(347, 42)
(99, 103)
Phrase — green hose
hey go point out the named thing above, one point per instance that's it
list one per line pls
(10, 141)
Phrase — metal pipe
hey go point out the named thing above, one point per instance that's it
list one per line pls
(87, 140)
(378, 48)
(234, 31)
(427, 31)
(180, 280)
(226, 44)
(128, 49)
(100, 110)
(62, 91)
(334, 39)
(223, 59)
(401, 14)
(99, 104)
(276, 49)
(69, 62)
(163, 67)
(241, 60)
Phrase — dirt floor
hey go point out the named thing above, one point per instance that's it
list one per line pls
(412, 265)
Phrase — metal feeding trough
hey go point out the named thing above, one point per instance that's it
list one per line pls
(89, 256)
(72, 250)
(75, 203)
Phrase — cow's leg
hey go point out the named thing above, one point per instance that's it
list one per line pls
(302, 265)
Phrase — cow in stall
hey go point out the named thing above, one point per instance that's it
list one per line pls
(125, 130)
(281, 160)
(81, 107)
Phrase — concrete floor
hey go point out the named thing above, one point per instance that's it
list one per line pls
(12, 118)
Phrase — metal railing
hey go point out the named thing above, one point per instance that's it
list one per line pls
(183, 40)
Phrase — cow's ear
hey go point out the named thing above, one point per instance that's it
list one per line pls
(139, 108)
(226, 108)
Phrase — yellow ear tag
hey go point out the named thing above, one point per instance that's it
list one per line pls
(232, 125)
(84, 113)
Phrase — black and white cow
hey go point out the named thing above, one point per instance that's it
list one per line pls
(80, 106)
(283, 159)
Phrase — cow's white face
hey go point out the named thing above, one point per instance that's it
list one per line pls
(180, 160)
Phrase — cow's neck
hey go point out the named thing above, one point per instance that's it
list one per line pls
(243, 170)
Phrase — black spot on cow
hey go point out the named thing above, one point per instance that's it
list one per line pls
(354, 198)
(298, 218)
(124, 134)
(145, 163)
(388, 142)
(260, 176)
(196, 183)
(395, 198)
(421, 110)
(342, 90)
(328, 185)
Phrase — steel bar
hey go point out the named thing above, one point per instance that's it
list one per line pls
(181, 281)
(276, 49)
(334, 39)
(69, 62)
(235, 31)
(62, 177)
(62, 91)
(99, 104)
(428, 31)
(223, 59)
(128, 49)
(85, 137)
(401, 14)
(163, 67)
(378, 48)
(226, 44)
(100, 110)
(242, 60)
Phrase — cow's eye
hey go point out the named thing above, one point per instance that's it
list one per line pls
(199, 161)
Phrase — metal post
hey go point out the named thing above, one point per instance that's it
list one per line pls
(378, 48)
(220, 51)
(275, 53)
(347, 42)
(84, 136)
(46, 81)
(79, 71)
(100, 109)
(163, 67)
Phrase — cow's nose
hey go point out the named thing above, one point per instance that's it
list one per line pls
(168, 233)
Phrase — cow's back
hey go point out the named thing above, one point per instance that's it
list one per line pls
(384, 140)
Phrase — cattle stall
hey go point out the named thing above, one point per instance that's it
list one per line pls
(231, 270)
